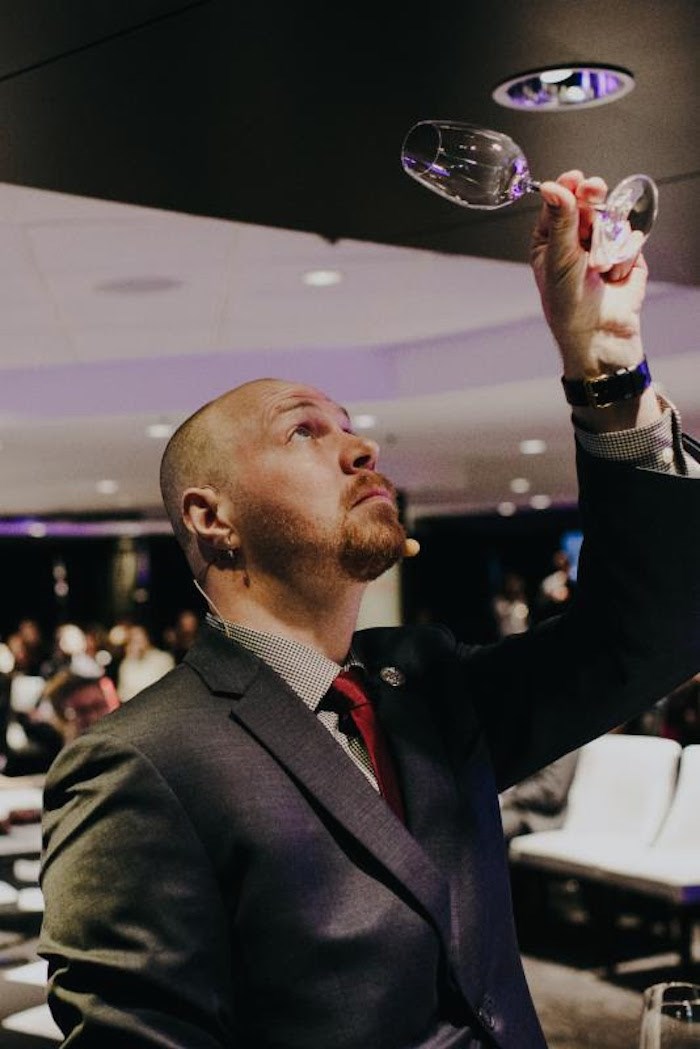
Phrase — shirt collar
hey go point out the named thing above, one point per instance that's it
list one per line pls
(307, 672)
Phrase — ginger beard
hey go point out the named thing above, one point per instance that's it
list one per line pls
(366, 541)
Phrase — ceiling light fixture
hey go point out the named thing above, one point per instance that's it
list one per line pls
(506, 508)
(322, 278)
(564, 88)
(533, 446)
(107, 487)
(158, 431)
(540, 502)
(364, 422)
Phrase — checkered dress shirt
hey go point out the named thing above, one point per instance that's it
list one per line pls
(656, 446)
(308, 673)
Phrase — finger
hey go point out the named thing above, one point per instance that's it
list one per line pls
(592, 190)
(589, 193)
(571, 179)
(558, 221)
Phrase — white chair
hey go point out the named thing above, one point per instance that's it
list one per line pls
(669, 868)
(620, 795)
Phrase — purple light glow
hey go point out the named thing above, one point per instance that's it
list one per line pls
(182, 383)
(37, 528)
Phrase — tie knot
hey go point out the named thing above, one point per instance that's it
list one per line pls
(349, 683)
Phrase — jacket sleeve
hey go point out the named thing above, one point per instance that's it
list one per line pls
(631, 635)
(134, 928)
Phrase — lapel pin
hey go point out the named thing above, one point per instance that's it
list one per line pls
(392, 676)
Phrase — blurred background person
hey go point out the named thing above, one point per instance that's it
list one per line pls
(78, 701)
(142, 664)
(510, 606)
(556, 589)
(180, 637)
(73, 699)
(35, 645)
(7, 665)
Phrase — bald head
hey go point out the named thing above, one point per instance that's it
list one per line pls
(203, 450)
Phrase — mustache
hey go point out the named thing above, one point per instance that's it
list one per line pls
(366, 483)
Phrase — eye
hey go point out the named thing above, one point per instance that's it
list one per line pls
(302, 432)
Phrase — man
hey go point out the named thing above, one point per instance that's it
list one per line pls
(72, 700)
(220, 868)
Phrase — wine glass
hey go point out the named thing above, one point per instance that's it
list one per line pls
(671, 1017)
(476, 167)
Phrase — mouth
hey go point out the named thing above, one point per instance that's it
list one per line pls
(375, 493)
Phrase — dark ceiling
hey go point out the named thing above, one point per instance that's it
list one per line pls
(293, 115)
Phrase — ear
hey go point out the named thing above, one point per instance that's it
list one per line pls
(206, 516)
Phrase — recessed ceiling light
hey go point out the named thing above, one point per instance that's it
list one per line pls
(520, 485)
(506, 508)
(564, 87)
(36, 529)
(540, 502)
(107, 487)
(322, 278)
(364, 422)
(555, 76)
(533, 446)
(159, 430)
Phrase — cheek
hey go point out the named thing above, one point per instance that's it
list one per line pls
(303, 482)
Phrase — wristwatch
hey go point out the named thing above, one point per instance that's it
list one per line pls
(622, 385)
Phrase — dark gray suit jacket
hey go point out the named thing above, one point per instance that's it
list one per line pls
(218, 873)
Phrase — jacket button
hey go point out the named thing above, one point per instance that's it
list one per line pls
(485, 1015)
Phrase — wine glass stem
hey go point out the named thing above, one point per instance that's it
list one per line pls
(534, 186)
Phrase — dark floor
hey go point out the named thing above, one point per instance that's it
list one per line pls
(587, 981)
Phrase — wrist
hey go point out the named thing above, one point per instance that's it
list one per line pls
(626, 415)
(603, 353)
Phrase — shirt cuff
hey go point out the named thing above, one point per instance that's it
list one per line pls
(656, 446)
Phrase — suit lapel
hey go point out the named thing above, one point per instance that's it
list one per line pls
(428, 786)
(289, 731)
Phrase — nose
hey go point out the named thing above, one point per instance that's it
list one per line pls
(359, 453)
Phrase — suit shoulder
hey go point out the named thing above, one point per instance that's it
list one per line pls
(178, 694)
(412, 647)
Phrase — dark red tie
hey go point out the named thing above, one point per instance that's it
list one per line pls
(348, 683)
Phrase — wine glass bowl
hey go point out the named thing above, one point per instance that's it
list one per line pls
(476, 167)
(471, 166)
(671, 1016)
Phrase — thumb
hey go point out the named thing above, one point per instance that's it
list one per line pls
(562, 219)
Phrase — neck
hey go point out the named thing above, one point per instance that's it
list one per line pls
(320, 614)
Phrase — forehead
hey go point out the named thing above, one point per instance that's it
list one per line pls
(272, 402)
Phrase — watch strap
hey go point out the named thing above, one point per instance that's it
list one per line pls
(605, 390)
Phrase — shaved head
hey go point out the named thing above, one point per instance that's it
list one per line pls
(202, 451)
